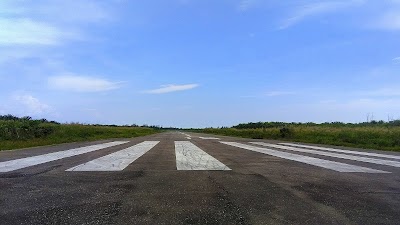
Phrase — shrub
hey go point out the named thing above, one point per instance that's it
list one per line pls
(285, 132)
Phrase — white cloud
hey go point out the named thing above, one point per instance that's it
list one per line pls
(31, 105)
(278, 93)
(49, 22)
(389, 21)
(29, 32)
(67, 11)
(396, 60)
(318, 8)
(81, 83)
(172, 88)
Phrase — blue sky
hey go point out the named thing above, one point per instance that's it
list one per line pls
(200, 63)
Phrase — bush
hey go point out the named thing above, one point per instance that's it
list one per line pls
(285, 132)
(24, 129)
(24, 132)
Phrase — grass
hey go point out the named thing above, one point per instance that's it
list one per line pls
(24, 132)
(367, 137)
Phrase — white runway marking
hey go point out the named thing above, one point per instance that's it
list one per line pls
(343, 151)
(336, 166)
(335, 155)
(187, 136)
(40, 159)
(209, 138)
(117, 161)
(191, 157)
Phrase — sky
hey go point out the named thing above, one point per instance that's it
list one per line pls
(200, 63)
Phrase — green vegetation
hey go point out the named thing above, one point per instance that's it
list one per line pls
(372, 135)
(25, 132)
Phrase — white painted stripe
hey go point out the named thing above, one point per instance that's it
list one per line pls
(343, 151)
(335, 155)
(117, 161)
(209, 138)
(40, 159)
(336, 166)
(189, 138)
(191, 157)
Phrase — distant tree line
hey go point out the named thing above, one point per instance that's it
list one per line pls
(13, 127)
(260, 125)
(25, 118)
(8, 121)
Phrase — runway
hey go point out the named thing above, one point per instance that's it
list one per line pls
(189, 178)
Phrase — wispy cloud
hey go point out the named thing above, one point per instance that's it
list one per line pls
(31, 105)
(313, 9)
(389, 21)
(396, 60)
(31, 29)
(49, 22)
(172, 88)
(29, 32)
(82, 11)
(81, 83)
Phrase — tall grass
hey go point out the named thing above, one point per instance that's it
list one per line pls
(24, 132)
(372, 137)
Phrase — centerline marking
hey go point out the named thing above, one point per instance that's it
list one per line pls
(191, 157)
(209, 138)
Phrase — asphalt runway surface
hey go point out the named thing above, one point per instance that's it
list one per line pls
(188, 178)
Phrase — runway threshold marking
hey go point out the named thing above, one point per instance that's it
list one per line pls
(189, 137)
(343, 151)
(209, 138)
(40, 159)
(191, 157)
(335, 155)
(336, 166)
(117, 161)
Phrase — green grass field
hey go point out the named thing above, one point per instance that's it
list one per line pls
(18, 133)
(24, 132)
(367, 137)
